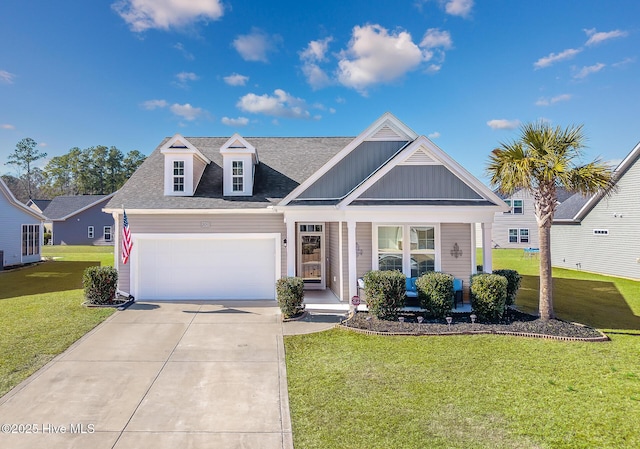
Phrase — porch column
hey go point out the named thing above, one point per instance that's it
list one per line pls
(487, 260)
(291, 247)
(353, 274)
(474, 262)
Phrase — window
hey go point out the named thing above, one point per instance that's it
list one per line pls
(518, 235)
(90, 232)
(237, 176)
(178, 176)
(417, 254)
(515, 207)
(310, 228)
(30, 240)
(600, 232)
(107, 233)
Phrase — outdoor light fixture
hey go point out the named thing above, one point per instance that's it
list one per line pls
(285, 243)
(473, 318)
(420, 319)
(449, 320)
(401, 319)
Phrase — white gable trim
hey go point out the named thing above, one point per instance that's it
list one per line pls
(19, 205)
(179, 145)
(238, 145)
(440, 157)
(383, 127)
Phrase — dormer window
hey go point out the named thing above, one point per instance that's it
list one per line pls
(178, 176)
(237, 175)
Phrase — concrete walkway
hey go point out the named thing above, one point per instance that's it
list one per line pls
(163, 375)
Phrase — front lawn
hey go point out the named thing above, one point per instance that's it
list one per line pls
(356, 391)
(41, 313)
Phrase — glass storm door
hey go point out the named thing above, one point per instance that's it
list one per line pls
(311, 256)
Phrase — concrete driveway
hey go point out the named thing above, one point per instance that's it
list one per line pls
(161, 375)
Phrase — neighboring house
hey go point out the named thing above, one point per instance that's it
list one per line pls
(224, 218)
(517, 227)
(79, 220)
(21, 230)
(601, 233)
(38, 205)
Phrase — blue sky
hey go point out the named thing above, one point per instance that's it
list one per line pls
(465, 73)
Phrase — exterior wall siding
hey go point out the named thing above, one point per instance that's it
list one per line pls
(460, 267)
(200, 224)
(11, 233)
(73, 231)
(503, 222)
(364, 239)
(618, 252)
(333, 250)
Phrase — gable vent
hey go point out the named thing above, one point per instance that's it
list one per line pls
(386, 133)
(237, 144)
(178, 144)
(419, 157)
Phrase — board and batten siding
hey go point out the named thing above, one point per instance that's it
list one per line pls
(365, 243)
(199, 224)
(459, 267)
(11, 233)
(333, 270)
(616, 253)
(503, 222)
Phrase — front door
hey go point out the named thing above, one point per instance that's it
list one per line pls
(311, 255)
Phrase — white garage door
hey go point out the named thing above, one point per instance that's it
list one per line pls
(219, 266)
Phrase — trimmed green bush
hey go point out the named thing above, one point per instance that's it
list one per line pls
(290, 291)
(385, 292)
(488, 296)
(513, 283)
(435, 291)
(100, 284)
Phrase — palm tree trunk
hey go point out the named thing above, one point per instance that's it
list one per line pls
(545, 305)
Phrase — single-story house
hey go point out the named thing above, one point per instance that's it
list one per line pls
(21, 230)
(517, 227)
(599, 233)
(79, 220)
(225, 217)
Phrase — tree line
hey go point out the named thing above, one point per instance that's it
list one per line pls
(95, 170)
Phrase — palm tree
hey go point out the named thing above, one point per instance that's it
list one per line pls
(542, 160)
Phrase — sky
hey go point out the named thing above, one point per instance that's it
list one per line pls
(465, 73)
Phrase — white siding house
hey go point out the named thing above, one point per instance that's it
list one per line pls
(21, 230)
(601, 234)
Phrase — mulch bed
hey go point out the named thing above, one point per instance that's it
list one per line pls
(514, 323)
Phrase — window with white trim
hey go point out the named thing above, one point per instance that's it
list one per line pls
(107, 233)
(519, 235)
(89, 232)
(401, 246)
(178, 176)
(515, 207)
(30, 240)
(237, 176)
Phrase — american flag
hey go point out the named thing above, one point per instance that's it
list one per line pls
(126, 238)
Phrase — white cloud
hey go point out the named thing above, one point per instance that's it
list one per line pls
(597, 37)
(503, 124)
(311, 57)
(556, 57)
(623, 63)
(434, 135)
(281, 104)
(588, 70)
(460, 8)
(184, 77)
(7, 126)
(240, 121)
(142, 15)
(434, 38)
(543, 101)
(255, 45)
(376, 56)
(6, 77)
(235, 79)
(332, 110)
(188, 56)
(186, 111)
(154, 104)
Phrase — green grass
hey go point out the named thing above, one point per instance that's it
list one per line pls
(41, 313)
(355, 391)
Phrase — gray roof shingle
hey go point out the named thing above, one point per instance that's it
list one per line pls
(62, 206)
(285, 162)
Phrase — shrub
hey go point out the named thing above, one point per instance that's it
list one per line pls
(290, 291)
(100, 284)
(385, 291)
(435, 291)
(513, 283)
(488, 296)
(46, 237)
